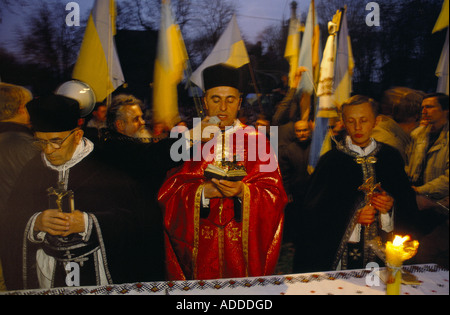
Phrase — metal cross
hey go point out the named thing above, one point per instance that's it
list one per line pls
(60, 193)
(369, 188)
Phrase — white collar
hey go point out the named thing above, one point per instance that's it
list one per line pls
(361, 151)
(84, 148)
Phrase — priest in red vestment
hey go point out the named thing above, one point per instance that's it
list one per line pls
(218, 228)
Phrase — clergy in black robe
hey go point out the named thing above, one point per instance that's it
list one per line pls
(336, 228)
(294, 171)
(146, 161)
(38, 244)
(147, 164)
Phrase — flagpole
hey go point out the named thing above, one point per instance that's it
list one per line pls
(196, 97)
(110, 57)
(343, 11)
(313, 79)
(258, 97)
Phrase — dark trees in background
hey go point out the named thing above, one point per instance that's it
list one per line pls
(400, 52)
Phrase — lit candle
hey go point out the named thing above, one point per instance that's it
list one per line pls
(397, 252)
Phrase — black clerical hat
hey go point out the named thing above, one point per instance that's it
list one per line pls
(221, 75)
(54, 113)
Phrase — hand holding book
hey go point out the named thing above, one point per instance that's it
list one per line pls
(216, 172)
(226, 179)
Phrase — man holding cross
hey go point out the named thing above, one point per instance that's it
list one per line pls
(68, 209)
(355, 192)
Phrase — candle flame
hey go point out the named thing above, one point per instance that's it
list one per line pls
(398, 240)
(400, 249)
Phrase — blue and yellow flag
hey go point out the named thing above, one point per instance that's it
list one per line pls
(98, 63)
(170, 63)
(229, 49)
(343, 73)
(309, 56)
(291, 53)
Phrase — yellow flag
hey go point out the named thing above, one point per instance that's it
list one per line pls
(98, 63)
(309, 55)
(442, 68)
(442, 21)
(169, 68)
(292, 50)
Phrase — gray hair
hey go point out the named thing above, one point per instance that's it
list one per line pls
(115, 111)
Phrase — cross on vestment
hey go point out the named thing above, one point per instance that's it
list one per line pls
(207, 232)
(234, 234)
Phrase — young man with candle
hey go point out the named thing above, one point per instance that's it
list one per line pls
(354, 194)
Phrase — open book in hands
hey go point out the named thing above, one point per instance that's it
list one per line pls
(233, 172)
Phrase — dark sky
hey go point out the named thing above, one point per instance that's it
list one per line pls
(253, 16)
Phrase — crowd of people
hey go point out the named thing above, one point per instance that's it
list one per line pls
(105, 198)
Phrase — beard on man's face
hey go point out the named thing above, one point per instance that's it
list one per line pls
(143, 134)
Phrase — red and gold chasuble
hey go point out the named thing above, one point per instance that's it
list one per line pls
(232, 238)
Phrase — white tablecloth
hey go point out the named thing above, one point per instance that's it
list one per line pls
(433, 281)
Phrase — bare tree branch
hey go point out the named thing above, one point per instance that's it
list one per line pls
(11, 6)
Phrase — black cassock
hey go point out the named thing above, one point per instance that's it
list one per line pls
(117, 220)
(328, 215)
